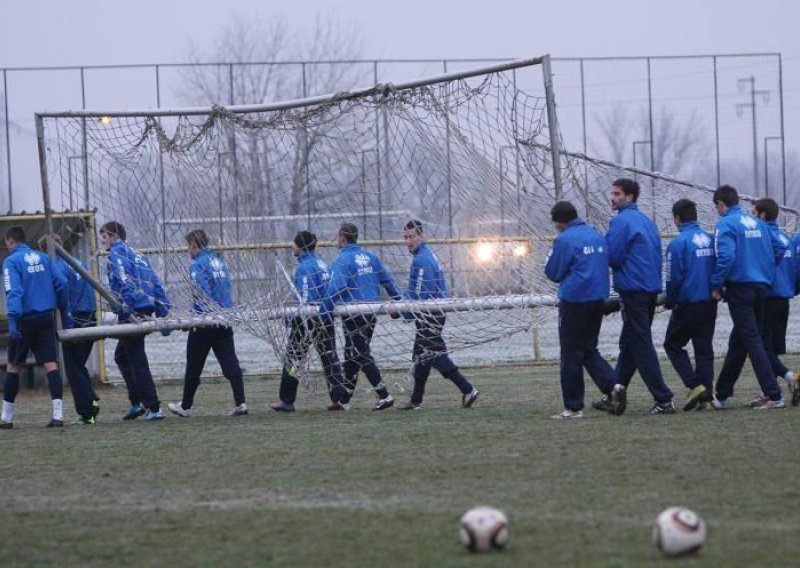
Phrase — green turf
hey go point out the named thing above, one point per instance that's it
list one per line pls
(382, 489)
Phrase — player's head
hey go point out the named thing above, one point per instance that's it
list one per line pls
(413, 234)
(725, 197)
(110, 233)
(624, 191)
(42, 242)
(14, 236)
(684, 211)
(767, 209)
(562, 214)
(196, 241)
(304, 241)
(348, 234)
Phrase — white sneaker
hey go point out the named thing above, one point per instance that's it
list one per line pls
(567, 414)
(176, 409)
(384, 403)
(240, 410)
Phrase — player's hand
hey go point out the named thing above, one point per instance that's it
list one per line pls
(166, 332)
(393, 314)
(67, 322)
(13, 333)
(161, 311)
(717, 295)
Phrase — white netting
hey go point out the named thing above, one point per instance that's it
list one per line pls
(469, 157)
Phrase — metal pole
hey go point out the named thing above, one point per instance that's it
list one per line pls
(752, 105)
(767, 139)
(502, 200)
(235, 178)
(652, 145)
(379, 113)
(449, 172)
(364, 191)
(555, 144)
(8, 142)
(716, 121)
(84, 145)
(783, 133)
(306, 153)
(158, 87)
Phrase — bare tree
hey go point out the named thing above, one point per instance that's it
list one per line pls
(254, 70)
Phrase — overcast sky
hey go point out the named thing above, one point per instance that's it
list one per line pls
(85, 32)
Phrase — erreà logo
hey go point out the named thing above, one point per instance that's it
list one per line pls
(216, 264)
(701, 240)
(362, 260)
(748, 222)
(783, 240)
(32, 258)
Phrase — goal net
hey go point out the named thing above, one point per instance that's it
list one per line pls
(470, 155)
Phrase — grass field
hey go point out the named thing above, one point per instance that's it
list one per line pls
(387, 489)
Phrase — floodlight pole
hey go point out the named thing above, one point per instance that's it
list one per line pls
(552, 122)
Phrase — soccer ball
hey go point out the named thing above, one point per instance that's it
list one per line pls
(679, 531)
(483, 528)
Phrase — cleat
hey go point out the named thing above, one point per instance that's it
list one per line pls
(602, 404)
(662, 408)
(568, 414)
(177, 409)
(757, 401)
(619, 400)
(410, 406)
(54, 423)
(85, 421)
(151, 416)
(134, 412)
(384, 403)
(95, 408)
(6, 425)
(770, 404)
(281, 406)
(467, 400)
(694, 397)
(240, 410)
(723, 404)
(339, 406)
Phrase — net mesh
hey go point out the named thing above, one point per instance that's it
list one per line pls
(470, 158)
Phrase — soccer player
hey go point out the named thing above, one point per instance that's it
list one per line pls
(33, 290)
(578, 262)
(426, 282)
(211, 290)
(690, 261)
(76, 353)
(634, 253)
(747, 256)
(133, 281)
(310, 281)
(777, 297)
(357, 275)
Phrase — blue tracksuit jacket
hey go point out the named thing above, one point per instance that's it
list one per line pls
(133, 281)
(690, 262)
(634, 251)
(357, 275)
(81, 293)
(212, 282)
(32, 285)
(783, 285)
(746, 251)
(311, 278)
(578, 261)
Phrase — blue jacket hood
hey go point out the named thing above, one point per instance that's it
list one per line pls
(578, 262)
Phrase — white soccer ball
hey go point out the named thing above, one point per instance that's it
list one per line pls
(679, 531)
(483, 528)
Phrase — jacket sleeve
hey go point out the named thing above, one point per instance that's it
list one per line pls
(415, 279)
(725, 250)
(336, 285)
(559, 260)
(13, 287)
(163, 305)
(778, 248)
(61, 285)
(675, 272)
(123, 284)
(387, 281)
(617, 243)
(796, 245)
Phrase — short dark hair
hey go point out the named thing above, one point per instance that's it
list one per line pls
(628, 187)
(114, 228)
(349, 232)
(563, 212)
(769, 207)
(685, 210)
(305, 240)
(727, 194)
(198, 237)
(414, 225)
(16, 234)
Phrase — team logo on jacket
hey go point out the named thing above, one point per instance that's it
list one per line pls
(34, 262)
(701, 240)
(362, 260)
(217, 268)
(751, 227)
